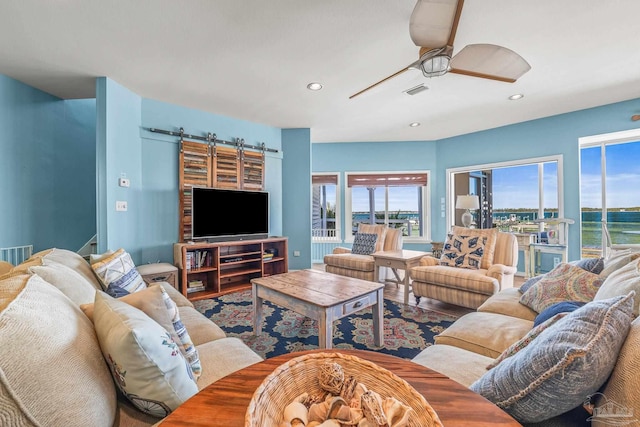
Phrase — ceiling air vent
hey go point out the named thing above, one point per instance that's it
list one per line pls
(417, 89)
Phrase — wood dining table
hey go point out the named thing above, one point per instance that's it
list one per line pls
(224, 403)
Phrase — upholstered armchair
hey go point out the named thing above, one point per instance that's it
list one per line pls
(345, 263)
(472, 285)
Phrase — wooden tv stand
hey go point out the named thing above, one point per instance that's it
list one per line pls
(224, 267)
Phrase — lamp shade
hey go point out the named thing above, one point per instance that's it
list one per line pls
(467, 202)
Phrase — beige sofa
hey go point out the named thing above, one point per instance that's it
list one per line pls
(468, 287)
(52, 371)
(464, 350)
(345, 263)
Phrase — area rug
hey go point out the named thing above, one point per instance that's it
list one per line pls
(407, 329)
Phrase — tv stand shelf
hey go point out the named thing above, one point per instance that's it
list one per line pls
(211, 269)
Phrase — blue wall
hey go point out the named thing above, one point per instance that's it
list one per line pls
(149, 228)
(296, 199)
(46, 168)
(548, 136)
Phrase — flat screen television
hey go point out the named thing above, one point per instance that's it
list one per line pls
(219, 215)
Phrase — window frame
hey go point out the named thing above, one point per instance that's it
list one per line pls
(450, 174)
(338, 209)
(426, 205)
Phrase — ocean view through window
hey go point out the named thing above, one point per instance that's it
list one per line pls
(325, 212)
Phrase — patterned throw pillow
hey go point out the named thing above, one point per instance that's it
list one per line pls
(156, 303)
(491, 235)
(463, 251)
(146, 364)
(364, 243)
(526, 340)
(564, 283)
(592, 265)
(118, 274)
(568, 361)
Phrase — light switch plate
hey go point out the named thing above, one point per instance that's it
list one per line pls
(121, 206)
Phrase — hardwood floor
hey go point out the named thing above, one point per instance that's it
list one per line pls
(396, 293)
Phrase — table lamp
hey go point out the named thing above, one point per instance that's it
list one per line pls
(468, 202)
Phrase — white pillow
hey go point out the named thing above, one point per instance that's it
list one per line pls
(146, 364)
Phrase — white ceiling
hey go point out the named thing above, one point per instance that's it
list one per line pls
(252, 60)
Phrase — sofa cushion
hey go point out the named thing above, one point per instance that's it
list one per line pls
(495, 334)
(72, 260)
(52, 372)
(490, 246)
(507, 302)
(564, 283)
(620, 282)
(118, 274)
(617, 259)
(155, 303)
(200, 328)
(70, 283)
(624, 383)
(216, 360)
(364, 243)
(380, 230)
(460, 365)
(145, 362)
(456, 278)
(526, 340)
(350, 261)
(463, 251)
(568, 361)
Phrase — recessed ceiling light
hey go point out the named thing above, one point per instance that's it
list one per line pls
(516, 96)
(414, 124)
(314, 86)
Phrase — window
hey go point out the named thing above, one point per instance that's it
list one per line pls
(609, 182)
(396, 199)
(511, 194)
(325, 212)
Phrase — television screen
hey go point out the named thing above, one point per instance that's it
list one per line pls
(219, 214)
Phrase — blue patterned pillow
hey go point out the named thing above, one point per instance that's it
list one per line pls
(364, 243)
(565, 363)
(592, 265)
(463, 251)
(552, 310)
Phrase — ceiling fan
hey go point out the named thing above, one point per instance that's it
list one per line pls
(433, 27)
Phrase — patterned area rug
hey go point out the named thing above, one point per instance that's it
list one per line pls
(407, 330)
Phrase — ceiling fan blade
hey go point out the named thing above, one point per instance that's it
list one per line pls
(397, 73)
(489, 61)
(435, 22)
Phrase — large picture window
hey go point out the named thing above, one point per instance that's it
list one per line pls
(396, 199)
(325, 212)
(609, 182)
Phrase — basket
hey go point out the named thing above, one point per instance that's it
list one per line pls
(300, 374)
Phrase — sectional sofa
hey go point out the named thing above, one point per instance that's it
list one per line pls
(52, 370)
(580, 368)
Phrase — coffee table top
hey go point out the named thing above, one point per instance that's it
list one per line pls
(403, 254)
(318, 287)
(224, 403)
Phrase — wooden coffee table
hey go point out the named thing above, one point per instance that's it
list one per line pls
(224, 403)
(321, 296)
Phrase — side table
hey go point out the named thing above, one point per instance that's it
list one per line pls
(398, 260)
(159, 272)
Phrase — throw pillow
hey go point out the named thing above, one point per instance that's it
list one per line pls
(364, 243)
(155, 302)
(552, 310)
(146, 364)
(463, 251)
(565, 363)
(526, 340)
(617, 259)
(118, 274)
(592, 265)
(491, 235)
(529, 283)
(380, 230)
(72, 284)
(564, 283)
(620, 282)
